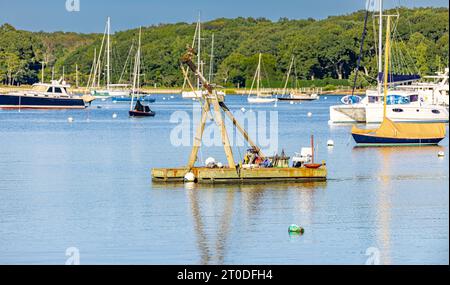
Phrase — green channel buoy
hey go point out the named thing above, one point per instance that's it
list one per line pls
(296, 229)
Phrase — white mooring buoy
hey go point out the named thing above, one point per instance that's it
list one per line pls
(114, 116)
(243, 110)
(309, 114)
(441, 154)
(70, 119)
(330, 143)
(189, 177)
(210, 161)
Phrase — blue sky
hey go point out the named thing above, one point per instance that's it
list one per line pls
(51, 15)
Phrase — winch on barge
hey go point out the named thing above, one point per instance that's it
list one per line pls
(268, 169)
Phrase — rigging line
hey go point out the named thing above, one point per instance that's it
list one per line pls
(98, 62)
(126, 62)
(253, 82)
(416, 70)
(267, 75)
(402, 61)
(375, 39)
(412, 60)
(287, 75)
(295, 85)
(397, 58)
(361, 47)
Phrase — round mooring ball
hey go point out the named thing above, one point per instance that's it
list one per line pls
(296, 229)
(210, 160)
(330, 143)
(189, 177)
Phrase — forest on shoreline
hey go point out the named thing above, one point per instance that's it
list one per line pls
(325, 51)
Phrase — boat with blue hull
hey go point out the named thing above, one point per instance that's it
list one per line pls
(55, 95)
(364, 140)
(397, 133)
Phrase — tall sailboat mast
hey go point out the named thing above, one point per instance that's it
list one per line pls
(199, 49)
(137, 69)
(211, 64)
(288, 75)
(139, 61)
(386, 64)
(380, 45)
(258, 78)
(108, 50)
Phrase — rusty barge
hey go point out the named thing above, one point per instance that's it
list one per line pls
(255, 167)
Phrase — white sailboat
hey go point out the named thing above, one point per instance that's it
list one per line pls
(139, 110)
(111, 90)
(296, 94)
(404, 104)
(260, 96)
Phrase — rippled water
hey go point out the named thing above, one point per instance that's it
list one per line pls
(87, 185)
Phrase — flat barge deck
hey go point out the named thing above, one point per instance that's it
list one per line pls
(229, 175)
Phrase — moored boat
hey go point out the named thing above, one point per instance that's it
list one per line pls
(144, 98)
(300, 96)
(391, 133)
(55, 95)
(406, 101)
(139, 109)
(260, 96)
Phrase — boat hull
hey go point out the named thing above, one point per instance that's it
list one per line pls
(206, 175)
(141, 114)
(99, 94)
(146, 99)
(261, 100)
(373, 113)
(348, 114)
(409, 113)
(296, 99)
(38, 102)
(370, 140)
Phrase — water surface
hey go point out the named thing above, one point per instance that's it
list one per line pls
(87, 185)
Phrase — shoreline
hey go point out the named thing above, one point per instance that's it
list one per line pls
(178, 90)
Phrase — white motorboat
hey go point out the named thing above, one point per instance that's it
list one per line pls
(54, 95)
(402, 106)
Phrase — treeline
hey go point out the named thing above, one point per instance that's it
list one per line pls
(325, 50)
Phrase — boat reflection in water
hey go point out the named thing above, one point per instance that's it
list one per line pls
(219, 212)
(386, 191)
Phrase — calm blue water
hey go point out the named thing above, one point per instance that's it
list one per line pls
(87, 185)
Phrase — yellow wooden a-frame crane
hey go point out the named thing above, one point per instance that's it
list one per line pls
(231, 173)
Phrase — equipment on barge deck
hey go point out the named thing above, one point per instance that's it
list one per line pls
(256, 167)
